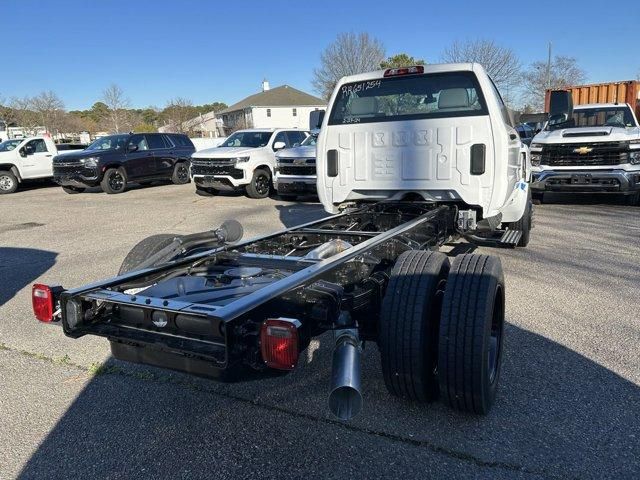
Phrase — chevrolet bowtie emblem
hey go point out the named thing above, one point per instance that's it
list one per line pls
(583, 150)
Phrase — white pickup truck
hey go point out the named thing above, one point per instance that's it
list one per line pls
(596, 150)
(246, 160)
(26, 159)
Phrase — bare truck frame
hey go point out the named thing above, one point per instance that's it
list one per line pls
(210, 305)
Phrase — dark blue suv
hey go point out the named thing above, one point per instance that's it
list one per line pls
(115, 160)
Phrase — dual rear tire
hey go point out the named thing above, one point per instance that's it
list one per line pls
(441, 329)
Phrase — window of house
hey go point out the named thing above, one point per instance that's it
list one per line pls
(295, 112)
(268, 112)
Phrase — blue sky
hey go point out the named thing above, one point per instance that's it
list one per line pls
(157, 50)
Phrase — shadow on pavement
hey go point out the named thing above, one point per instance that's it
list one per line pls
(21, 266)
(296, 213)
(586, 198)
(558, 414)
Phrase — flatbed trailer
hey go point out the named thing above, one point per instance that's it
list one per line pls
(229, 311)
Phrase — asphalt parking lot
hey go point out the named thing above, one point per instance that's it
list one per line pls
(568, 406)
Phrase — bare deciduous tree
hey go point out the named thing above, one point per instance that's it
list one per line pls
(23, 114)
(118, 116)
(564, 72)
(177, 112)
(501, 63)
(49, 109)
(349, 54)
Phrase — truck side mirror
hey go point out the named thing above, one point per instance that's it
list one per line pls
(29, 150)
(22, 152)
(560, 107)
(132, 147)
(279, 145)
(315, 119)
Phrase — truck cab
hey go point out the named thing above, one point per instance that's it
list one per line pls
(596, 150)
(439, 133)
(26, 159)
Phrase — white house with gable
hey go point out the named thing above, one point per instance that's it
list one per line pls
(279, 107)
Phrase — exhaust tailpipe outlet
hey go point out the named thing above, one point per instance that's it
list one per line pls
(345, 399)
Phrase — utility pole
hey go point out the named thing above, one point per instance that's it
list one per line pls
(549, 68)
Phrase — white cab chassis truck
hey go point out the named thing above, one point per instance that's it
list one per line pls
(409, 159)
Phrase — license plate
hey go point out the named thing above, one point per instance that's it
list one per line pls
(581, 179)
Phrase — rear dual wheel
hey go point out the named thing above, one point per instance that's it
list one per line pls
(525, 224)
(441, 329)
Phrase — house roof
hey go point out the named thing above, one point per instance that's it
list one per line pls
(283, 96)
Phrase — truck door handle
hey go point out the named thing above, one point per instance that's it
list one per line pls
(50, 155)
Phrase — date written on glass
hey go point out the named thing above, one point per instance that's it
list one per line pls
(360, 87)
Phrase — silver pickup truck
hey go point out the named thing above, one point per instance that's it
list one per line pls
(296, 170)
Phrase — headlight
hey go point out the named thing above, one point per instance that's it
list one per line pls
(634, 157)
(536, 158)
(241, 159)
(637, 140)
(90, 162)
(535, 145)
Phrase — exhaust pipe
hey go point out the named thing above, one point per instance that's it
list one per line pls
(345, 399)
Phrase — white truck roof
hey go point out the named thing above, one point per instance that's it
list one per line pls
(431, 68)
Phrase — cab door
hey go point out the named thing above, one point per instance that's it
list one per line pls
(37, 160)
(163, 155)
(139, 159)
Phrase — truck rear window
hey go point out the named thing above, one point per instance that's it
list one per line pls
(435, 95)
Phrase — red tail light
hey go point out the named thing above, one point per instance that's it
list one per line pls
(394, 72)
(279, 343)
(42, 301)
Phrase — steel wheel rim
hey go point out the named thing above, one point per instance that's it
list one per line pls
(6, 182)
(183, 173)
(262, 184)
(116, 181)
(495, 340)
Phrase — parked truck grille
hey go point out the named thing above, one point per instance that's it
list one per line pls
(71, 169)
(613, 153)
(206, 167)
(291, 170)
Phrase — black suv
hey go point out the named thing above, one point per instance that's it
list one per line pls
(114, 160)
